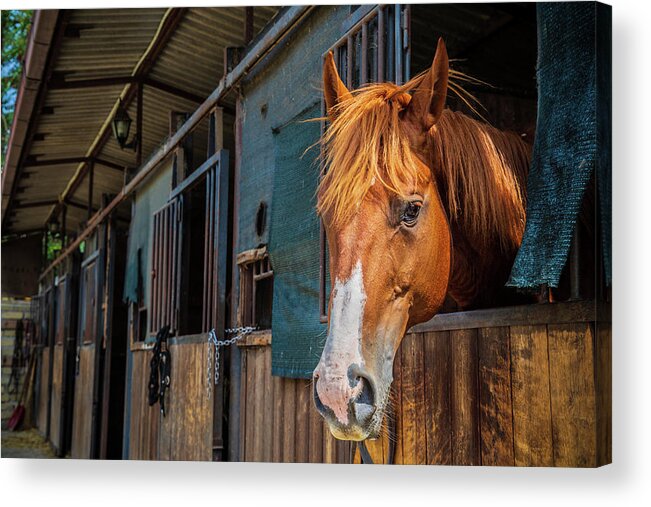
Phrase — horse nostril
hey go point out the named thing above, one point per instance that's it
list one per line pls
(359, 376)
(366, 395)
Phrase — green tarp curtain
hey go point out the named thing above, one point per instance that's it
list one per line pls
(298, 335)
(572, 137)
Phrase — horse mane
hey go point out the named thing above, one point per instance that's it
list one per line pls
(480, 174)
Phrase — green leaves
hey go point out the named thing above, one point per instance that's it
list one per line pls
(15, 27)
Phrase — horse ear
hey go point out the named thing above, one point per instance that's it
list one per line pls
(334, 89)
(428, 100)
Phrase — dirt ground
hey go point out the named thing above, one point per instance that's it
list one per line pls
(25, 444)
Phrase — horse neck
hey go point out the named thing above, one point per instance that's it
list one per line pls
(482, 263)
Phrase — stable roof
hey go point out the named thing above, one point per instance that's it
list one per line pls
(78, 64)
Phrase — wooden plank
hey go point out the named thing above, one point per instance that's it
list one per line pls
(396, 389)
(329, 445)
(258, 402)
(343, 452)
(532, 419)
(43, 390)
(267, 442)
(464, 397)
(289, 418)
(302, 421)
(414, 446)
(603, 386)
(571, 361)
(525, 315)
(277, 414)
(437, 380)
(251, 388)
(83, 404)
(495, 397)
(57, 400)
(315, 430)
(243, 405)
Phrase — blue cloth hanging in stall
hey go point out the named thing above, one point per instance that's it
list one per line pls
(572, 137)
(298, 334)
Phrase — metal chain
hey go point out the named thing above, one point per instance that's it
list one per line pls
(214, 342)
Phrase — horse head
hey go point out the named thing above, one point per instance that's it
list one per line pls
(388, 237)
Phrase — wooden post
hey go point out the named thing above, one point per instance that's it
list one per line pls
(91, 177)
(248, 25)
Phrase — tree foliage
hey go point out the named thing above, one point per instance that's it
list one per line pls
(15, 27)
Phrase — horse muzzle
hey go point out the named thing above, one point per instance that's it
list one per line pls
(347, 402)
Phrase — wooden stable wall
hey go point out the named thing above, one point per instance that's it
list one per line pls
(527, 386)
(83, 404)
(43, 391)
(57, 396)
(278, 422)
(185, 433)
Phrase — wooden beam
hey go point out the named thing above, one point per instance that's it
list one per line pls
(173, 90)
(106, 163)
(59, 84)
(54, 161)
(289, 19)
(34, 204)
(71, 160)
(55, 48)
(167, 27)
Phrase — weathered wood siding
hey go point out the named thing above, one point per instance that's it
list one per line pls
(501, 394)
(143, 429)
(43, 394)
(185, 433)
(278, 422)
(57, 398)
(83, 404)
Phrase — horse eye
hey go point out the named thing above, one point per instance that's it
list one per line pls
(410, 213)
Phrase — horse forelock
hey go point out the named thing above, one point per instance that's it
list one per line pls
(482, 169)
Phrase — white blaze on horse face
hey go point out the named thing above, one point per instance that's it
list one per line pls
(343, 346)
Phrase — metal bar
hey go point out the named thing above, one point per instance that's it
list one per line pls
(380, 45)
(207, 253)
(364, 59)
(292, 16)
(349, 62)
(407, 42)
(165, 239)
(195, 177)
(155, 275)
(175, 270)
(397, 18)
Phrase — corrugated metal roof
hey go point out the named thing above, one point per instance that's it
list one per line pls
(109, 43)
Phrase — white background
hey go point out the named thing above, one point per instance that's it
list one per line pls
(625, 482)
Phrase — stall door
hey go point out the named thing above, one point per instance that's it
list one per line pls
(85, 409)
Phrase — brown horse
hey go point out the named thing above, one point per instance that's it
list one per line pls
(418, 202)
